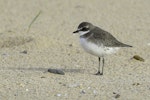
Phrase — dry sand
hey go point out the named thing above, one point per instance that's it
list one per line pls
(50, 44)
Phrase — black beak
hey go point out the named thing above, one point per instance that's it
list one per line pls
(76, 31)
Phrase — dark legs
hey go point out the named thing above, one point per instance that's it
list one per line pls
(99, 73)
(99, 68)
(103, 65)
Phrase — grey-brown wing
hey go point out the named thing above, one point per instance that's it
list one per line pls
(103, 37)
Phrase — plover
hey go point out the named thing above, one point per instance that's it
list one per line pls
(98, 42)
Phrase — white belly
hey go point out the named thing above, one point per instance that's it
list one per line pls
(96, 50)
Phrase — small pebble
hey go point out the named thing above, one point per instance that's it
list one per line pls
(83, 92)
(68, 54)
(21, 84)
(70, 45)
(5, 54)
(27, 90)
(136, 84)
(137, 57)
(24, 52)
(58, 95)
(89, 87)
(116, 95)
(15, 94)
(94, 91)
(56, 71)
(43, 77)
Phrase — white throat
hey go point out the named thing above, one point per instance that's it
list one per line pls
(83, 32)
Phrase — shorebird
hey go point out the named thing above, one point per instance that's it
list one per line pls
(98, 42)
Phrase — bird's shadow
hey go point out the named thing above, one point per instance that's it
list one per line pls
(46, 69)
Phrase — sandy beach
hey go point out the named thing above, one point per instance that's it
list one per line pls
(29, 46)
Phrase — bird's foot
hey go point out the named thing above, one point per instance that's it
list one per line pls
(98, 73)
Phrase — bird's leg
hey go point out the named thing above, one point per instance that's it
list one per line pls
(98, 73)
(103, 60)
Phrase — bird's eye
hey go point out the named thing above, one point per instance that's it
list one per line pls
(84, 29)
